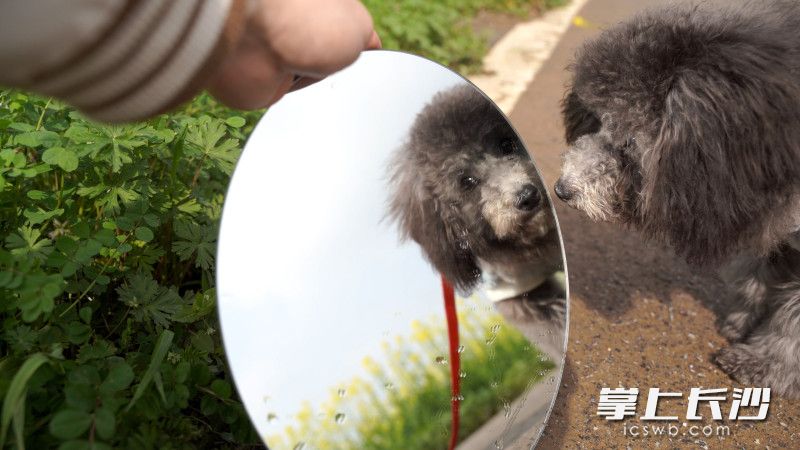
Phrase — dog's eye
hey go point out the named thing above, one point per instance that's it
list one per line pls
(468, 182)
(508, 147)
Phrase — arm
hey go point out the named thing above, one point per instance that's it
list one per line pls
(122, 60)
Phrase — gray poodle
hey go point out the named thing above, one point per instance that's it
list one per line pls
(464, 188)
(685, 123)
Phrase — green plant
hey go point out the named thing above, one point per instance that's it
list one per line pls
(441, 30)
(109, 337)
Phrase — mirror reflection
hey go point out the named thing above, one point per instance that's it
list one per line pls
(352, 200)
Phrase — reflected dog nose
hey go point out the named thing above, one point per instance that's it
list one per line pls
(562, 191)
(528, 198)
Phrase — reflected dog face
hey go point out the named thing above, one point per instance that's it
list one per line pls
(464, 187)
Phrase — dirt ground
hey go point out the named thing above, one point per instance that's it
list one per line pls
(639, 316)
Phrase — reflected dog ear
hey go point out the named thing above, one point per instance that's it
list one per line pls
(433, 225)
(726, 156)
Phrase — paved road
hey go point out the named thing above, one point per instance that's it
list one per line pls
(639, 317)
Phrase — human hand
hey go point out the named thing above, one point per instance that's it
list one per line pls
(289, 43)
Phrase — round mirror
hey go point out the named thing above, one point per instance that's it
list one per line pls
(353, 199)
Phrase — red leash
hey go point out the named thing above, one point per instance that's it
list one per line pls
(455, 358)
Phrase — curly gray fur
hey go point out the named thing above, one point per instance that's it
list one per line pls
(684, 122)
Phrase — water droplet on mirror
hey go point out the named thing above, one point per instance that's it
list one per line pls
(461, 349)
(300, 446)
(339, 418)
(457, 398)
(498, 444)
(272, 417)
(342, 392)
(462, 374)
(441, 360)
(495, 328)
(389, 386)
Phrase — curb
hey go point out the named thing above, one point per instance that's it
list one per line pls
(512, 63)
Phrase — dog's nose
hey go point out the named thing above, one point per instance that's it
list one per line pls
(528, 198)
(562, 191)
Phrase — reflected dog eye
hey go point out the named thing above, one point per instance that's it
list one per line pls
(508, 147)
(468, 182)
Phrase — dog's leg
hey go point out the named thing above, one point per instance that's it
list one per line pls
(751, 280)
(748, 278)
(770, 355)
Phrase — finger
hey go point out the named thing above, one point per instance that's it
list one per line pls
(374, 41)
(250, 77)
(316, 37)
(301, 82)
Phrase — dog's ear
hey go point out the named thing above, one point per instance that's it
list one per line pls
(433, 225)
(727, 154)
(578, 120)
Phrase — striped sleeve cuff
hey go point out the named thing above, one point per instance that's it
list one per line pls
(158, 54)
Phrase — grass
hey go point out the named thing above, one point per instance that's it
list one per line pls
(440, 30)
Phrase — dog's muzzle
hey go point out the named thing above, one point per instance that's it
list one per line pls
(528, 198)
(563, 191)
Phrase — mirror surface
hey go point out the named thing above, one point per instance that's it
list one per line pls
(351, 197)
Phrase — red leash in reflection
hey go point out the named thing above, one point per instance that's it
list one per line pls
(455, 358)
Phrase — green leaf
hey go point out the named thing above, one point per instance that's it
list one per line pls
(17, 390)
(150, 301)
(203, 304)
(105, 423)
(38, 138)
(83, 444)
(36, 195)
(235, 121)
(20, 126)
(222, 388)
(160, 351)
(85, 314)
(195, 241)
(35, 217)
(98, 350)
(26, 241)
(144, 234)
(119, 377)
(69, 423)
(81, 397)
(61, 157)
(78, 333)
(207, 140)
(203, 342)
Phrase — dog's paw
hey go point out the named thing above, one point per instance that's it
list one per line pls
(735, 326)
(741, 364)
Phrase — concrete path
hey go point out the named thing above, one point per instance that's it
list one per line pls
(639, 317)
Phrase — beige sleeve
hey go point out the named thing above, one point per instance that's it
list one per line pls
(116, 60)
